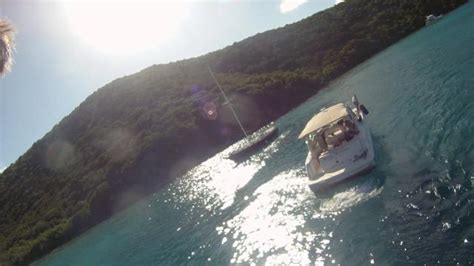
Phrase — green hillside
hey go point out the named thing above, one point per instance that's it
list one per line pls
(140, 131)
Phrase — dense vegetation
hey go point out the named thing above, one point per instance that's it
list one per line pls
(139, 131)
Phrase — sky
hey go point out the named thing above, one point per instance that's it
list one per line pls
(67, 49)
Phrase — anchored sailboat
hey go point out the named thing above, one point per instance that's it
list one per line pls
(251, 143)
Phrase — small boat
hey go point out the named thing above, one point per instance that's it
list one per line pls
(339, 145)
(251, 143)
(430, 19)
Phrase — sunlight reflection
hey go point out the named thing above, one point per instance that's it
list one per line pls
(276, 224)
(269, 230)
(215, 182)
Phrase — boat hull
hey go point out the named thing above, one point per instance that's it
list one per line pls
(253, 144)
(359, 159)
(324, 184)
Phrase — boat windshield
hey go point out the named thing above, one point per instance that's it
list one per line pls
(332, 136)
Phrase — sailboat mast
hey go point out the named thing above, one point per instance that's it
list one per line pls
(227, 101)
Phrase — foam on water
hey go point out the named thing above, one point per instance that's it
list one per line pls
(351, 197)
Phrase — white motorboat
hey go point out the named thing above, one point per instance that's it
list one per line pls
(430, 19)
(339, 145)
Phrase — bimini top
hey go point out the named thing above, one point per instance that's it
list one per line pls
(323, 118)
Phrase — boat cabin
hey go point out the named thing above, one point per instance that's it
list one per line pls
(329, 129)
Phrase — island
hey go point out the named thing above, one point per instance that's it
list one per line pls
(140, 131)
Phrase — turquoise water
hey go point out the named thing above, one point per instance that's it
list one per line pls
(415, 207)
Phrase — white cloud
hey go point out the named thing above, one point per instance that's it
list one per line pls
(2, 169)
(290, 5)
(339, 1)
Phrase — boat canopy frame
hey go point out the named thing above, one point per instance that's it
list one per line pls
(325, 118)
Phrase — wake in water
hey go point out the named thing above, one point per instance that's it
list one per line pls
(351, 197)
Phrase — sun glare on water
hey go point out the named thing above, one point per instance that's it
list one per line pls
(124, 27)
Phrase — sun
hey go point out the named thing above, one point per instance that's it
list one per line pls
(124, 27)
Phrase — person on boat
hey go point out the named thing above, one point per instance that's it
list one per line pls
(349, 129)
(316, 146)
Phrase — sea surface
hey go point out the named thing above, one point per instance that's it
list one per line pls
(416, 207)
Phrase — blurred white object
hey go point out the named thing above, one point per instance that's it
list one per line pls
(7, 37)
